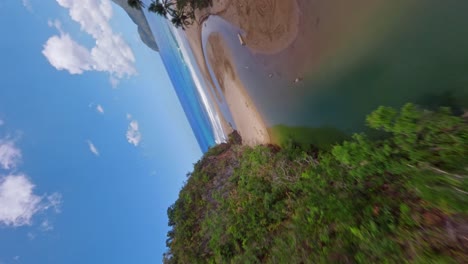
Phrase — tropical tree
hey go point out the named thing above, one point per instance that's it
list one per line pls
(138, 4)
(162, 8)
(167, 3)
(181, 12)
(180, 19)
(177, 22)
(158, 8)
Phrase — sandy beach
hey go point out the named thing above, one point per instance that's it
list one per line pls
(269, 27)
(248, 120)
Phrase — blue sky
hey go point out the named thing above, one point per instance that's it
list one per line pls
(94, 145)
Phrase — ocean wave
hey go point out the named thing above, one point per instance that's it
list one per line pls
(200, 83)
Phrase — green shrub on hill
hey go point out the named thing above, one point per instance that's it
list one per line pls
(403, 198)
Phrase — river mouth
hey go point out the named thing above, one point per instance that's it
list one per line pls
(350, 58)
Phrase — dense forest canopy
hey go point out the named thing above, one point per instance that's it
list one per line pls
(400, 198)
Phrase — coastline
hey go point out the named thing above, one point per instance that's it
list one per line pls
(248, 120)
(269, 26)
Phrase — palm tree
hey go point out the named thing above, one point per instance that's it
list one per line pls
(167, 3)
(138, 4)
(181, 19)
(178, 22)
(158, 8)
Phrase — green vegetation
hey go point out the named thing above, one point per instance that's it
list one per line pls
(400, 199)
(181, 12)
(306, 137)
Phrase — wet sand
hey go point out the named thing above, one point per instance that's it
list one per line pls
(248, 120)
(193, 34)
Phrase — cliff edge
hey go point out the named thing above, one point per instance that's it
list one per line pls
(138, 17)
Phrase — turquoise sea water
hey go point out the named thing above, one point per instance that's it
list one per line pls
(187, 85)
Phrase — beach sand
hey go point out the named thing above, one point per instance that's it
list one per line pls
(269, 26)
(248, 121)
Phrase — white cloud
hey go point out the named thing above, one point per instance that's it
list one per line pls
(114, 81)
(10, 155)
(2, 122)
(55, 24)
(54, 201)
(27, 4)
(18, 203)
(100, 109)
(31, 236)
(110, 54)
(46, 226)
(66, 54)
(93, 148)
(133, 133)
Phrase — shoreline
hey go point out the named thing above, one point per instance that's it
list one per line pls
(248, 120)
(263, 35)
(193, 35)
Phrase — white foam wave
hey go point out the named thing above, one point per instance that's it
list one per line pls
(218, 131)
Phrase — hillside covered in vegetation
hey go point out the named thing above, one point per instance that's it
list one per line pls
(402, 197)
